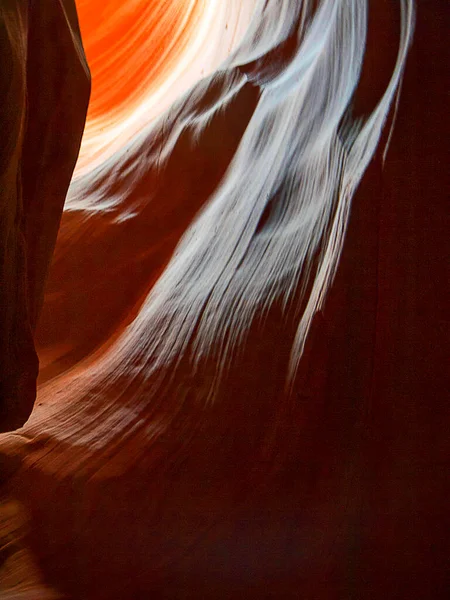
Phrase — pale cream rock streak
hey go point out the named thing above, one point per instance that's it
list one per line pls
(300, 152)
(214, 28)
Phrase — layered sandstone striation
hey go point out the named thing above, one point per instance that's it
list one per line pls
(242, 338)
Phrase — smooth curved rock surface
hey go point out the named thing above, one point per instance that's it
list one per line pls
(242, 340)
(43, 100)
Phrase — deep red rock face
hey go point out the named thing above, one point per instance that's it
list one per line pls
(242, 339)
(43, 97)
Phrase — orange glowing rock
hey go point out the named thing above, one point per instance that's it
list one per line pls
(129, 46)
(241, 343)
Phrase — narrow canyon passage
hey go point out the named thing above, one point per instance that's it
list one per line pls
(242, 339)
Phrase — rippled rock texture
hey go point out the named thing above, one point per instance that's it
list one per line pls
(242, 338)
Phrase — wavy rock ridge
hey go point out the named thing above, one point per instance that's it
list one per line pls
(236, 364)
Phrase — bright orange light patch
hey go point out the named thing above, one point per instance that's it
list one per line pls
(129, 45)
(142, 55)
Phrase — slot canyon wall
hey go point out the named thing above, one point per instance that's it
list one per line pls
(239, 315)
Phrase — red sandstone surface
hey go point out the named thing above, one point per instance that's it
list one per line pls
(169, 454)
